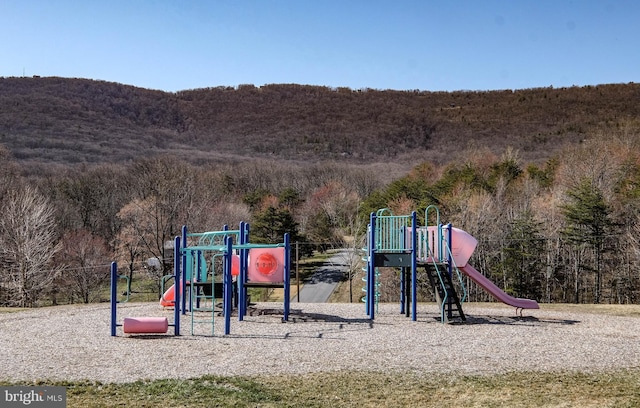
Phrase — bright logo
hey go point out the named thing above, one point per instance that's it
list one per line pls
(267, 264)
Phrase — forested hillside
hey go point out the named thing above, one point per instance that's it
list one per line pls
(79, 120)
(547, 180)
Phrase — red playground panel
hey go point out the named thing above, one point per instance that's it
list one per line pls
(266, 265)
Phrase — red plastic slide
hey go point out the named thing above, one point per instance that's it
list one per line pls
(168, 299)
(496, 292)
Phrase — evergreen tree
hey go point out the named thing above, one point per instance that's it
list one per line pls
(588, 223)
(524, 254)
(270, 226)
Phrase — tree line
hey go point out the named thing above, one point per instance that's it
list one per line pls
(566, 230)
(60, 230)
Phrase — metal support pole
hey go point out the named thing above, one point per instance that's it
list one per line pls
(403, 288)
(449, 270)
(179, 286)
(287, 276)
(298, 270)
(241, 279)
(182, 259)
(244, 270)
(414, 269)
(114, 297)
(228, 286)
(371, 274)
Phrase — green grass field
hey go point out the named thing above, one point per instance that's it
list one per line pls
(349, 389)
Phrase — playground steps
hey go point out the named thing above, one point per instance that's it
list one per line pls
(445, 293)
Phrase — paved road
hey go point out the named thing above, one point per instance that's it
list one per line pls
(321, 285)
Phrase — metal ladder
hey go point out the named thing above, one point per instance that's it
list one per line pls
(446, 295)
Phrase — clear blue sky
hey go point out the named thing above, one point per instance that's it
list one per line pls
(432, 45)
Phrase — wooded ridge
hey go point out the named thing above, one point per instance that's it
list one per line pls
(67, 120)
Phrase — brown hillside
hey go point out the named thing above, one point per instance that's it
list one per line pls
(58, 120)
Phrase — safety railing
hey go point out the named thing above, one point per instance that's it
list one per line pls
(392, 231)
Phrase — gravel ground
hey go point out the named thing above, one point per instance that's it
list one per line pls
(73, 343)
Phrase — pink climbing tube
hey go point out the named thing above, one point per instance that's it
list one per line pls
(145, 325)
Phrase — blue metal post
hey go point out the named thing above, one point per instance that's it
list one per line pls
(228, 286)
(371, 275)
(414, 266)
(449, 270)
(241, 279)
(244, 265)
(287, 276)
(184, 271)
(403, 289)
(114, 297)
(178, 286)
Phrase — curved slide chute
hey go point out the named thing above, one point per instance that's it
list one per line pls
(168, 298)
(496, 292)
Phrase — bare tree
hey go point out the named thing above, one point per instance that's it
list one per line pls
(128, 247)
(27, 246)
(85, 258)
(143, 235)
(90, 199)
(354, 240)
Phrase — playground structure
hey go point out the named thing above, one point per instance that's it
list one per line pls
(442, 250)
(207, 266)
(392, 241)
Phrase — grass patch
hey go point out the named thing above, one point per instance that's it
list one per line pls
(606, 309)
(366, 389)
(143, 289)
(12, 309)
(512, 390)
